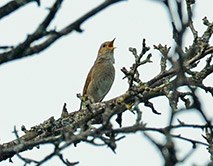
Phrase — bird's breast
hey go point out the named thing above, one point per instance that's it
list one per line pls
(104, 77)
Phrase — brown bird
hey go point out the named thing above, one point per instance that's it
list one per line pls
(102, 74)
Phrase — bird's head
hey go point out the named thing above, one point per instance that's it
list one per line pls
(106, 50)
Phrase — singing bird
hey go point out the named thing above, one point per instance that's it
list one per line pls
(102, 74)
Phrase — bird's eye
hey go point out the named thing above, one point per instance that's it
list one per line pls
(104, 45)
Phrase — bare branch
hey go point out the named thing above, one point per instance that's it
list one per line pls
(14, 5)
(25, 48)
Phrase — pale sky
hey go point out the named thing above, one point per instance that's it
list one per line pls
(35, 88)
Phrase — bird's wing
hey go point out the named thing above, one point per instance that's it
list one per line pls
(88, 80)
(89, 76)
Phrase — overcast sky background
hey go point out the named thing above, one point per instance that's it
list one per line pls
(35, 88)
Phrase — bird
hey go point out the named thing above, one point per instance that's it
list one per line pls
(102, 74)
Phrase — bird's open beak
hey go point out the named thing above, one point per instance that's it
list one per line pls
(111, 44)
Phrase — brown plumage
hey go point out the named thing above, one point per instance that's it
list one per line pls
(102, 74)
